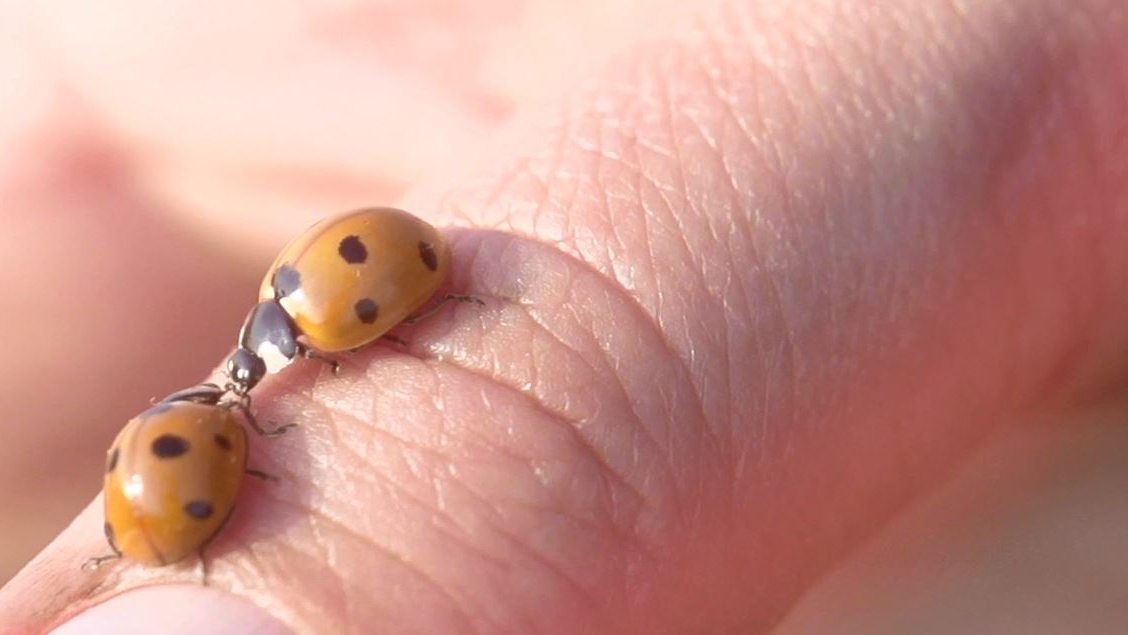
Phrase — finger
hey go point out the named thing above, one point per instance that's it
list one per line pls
(871, 246)
(651, 439)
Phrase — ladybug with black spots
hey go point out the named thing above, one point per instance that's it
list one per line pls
(345, 282)
(174, 471)
(172, 475)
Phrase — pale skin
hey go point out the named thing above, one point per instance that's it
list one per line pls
(763, 278)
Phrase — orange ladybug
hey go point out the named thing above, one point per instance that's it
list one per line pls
(172, 475)
(346, 281)
(173, 472)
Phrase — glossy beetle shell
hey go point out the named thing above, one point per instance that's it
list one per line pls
(172, 475)
(351, 278)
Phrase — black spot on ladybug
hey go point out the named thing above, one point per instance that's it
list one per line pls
(427, 253)
(286, 281)
(198, 509)
(223, 442)
(168, 446)
(111, 461)
(352, 250)
(366, 310)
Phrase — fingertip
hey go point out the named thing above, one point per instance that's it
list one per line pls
(174, 610)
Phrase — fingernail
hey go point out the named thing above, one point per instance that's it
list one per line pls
(173, 610)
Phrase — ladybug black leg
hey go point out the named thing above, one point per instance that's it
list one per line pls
(93, 563)
(395, 340)
(262, 475)
(203, 567)
(200, 553)
(309, 353)
(253, 422)
(429, 311)
(200, 393)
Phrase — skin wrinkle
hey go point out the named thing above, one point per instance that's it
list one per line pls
(867, 190)
(313, 608)
(579, 589)
(499, 514)
(774, 167)
(891, 83)
(402, 493)
(248, 572)
(557, 246)
(621, 267)
(523, 546)
(759, 150)
(597, 275)
(329, 572)
(625, 538)
(534, 472)
(527, 463)
(566, 229)
(649, 211)
(687, 363)
(802, 42)
(713, 435)
(553, 171)
(608, 160)
(588, 596)
(724, 99)
(317, 609)
(483, 501)
(637, 142)
(503, 182)
(458, 608)
(663, 449)
(576, 427)
(425, 450)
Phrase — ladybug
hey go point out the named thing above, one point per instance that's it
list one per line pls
(343, 283)
(172, 475)
(173, 472)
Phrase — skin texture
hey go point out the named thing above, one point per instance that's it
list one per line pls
(754, 287)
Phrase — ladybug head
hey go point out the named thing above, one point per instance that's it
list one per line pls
(245, 370)
(267, 343)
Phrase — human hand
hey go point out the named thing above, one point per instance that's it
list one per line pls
(762, 283)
